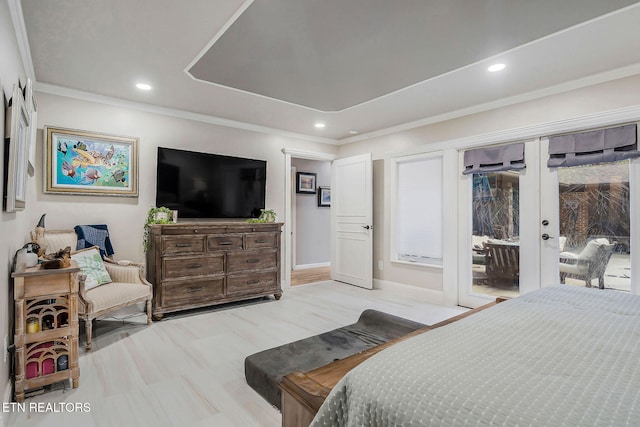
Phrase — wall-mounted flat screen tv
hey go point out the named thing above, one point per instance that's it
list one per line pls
(203, 185)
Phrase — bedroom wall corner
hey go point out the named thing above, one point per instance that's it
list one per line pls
(13, 226)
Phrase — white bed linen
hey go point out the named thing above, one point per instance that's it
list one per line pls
(558, 356)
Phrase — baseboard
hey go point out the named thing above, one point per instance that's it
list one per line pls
(316, 265)
(430, 296)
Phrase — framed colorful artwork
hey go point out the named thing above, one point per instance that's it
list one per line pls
(82, 162)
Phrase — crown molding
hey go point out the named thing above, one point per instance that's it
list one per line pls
(309, 155)
(173, 112)
(15, 8)
(615, 117)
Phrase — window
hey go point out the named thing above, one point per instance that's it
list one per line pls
(417, 223)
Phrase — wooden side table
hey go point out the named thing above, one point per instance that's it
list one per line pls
(46, 328)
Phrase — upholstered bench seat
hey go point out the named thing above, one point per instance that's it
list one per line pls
(264, 370)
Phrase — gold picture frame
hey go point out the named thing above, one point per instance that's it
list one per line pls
(89, 163)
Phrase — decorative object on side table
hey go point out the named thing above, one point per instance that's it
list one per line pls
(82, 162)
(306, 182)
(37, 236)
(324, 196)
(60, 259)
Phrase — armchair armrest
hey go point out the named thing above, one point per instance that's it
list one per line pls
(131, 273)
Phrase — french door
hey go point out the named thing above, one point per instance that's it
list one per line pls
(522, 230)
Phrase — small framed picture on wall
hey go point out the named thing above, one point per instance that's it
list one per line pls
(324, 196)
(306, 182)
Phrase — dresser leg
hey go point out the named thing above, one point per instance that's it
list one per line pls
(277, 296)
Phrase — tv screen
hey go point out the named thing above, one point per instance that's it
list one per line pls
(203, 185)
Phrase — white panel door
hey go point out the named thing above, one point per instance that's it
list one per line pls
(351, 221)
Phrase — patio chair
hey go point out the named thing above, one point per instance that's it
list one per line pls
(589, 264)
(502, 260)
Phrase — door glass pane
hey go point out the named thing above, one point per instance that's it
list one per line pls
(496, 231)
(595, 225)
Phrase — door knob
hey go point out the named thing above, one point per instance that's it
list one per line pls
(545, 236)
(366, 227)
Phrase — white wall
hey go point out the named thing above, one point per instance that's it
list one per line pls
(125, 216)
(557, 108)
(12, 225)
(313, 223)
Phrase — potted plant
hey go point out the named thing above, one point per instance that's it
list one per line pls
(266, 215)
(155, 215)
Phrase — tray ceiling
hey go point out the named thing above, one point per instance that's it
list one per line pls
(363, 65)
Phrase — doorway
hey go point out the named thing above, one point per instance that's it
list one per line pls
(310, 226)
(543, 226)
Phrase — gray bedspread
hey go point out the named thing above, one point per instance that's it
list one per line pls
(560, 356)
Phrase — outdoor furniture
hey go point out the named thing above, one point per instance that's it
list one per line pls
(589, 264)
(502, 260)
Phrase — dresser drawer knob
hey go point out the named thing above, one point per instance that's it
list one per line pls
(253, 282)
(183, 245)
(261, 241)
(253, 261)
(225, 243)
(192, 290)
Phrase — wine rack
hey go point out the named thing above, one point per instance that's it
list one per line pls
(46, 328)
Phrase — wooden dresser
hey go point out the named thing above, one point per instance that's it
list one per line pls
(46, 328)
(197, 264)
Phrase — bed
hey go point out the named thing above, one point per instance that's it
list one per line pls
(559, 356)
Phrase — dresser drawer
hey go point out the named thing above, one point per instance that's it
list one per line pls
(224, 243)
(177, 267)
(192, 291)
(261, 240)
(252, 283)
(252, 228)
(178, 230)
(182, 244)
(254, 260)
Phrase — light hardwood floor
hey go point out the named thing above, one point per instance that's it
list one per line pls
(188, 370)
(310, 275)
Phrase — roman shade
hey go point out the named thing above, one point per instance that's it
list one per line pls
(599, 146)
(494, 159)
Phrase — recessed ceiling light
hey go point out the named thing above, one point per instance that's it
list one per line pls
(320, 125)
(353, 132)
(143, 86)
(496, 67)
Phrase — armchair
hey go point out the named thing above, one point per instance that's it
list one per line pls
(589, 264)
(128, 286)
(502, 260)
